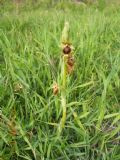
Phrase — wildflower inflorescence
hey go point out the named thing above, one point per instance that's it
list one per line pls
(67, 66)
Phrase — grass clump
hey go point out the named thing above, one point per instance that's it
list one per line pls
(29, 62)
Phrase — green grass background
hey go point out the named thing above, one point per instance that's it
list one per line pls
(29, 58)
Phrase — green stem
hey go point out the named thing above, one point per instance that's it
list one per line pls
(64, 40)
(63, 94)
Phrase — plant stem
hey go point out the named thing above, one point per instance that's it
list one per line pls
(63, 91)
(65, 40)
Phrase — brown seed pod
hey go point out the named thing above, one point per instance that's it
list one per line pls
(67, 49)
(55, 89)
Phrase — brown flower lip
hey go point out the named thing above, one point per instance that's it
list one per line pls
(70, 61)
(66, 49)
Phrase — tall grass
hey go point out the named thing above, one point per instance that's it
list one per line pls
(29, 58)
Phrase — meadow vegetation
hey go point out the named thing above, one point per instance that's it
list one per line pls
(30, 55)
